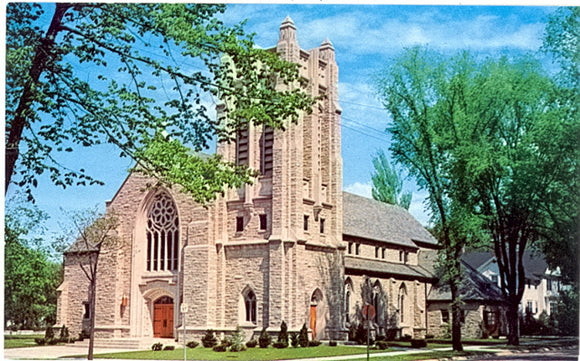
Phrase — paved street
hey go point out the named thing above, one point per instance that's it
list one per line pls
(560, 355)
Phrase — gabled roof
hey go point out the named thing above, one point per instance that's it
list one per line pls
(475, 287)
(535, 265)
(371, 219)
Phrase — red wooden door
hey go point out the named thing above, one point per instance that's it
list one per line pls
(163, 320)
(313, 321)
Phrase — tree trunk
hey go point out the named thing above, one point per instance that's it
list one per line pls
(92, 299)
(20, 120)
(513, 320)
(456, 317)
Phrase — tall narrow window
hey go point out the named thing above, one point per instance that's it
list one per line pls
(357, 249)
(242, 147)
(322, 221)
(250, 302)
(402, 305)
(162, 235)
(239, 224)
(267, 163)
(347, 306)
(349, 247)
(263, 222)
(306, 218)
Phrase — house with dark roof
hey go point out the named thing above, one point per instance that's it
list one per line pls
(483, 308)
(542, 287)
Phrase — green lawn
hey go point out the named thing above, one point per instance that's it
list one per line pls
(15, 341)
(270, 353)
(438, 355)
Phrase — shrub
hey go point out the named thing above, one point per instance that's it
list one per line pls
(332, 343)
(49, 333)
(209, 339)
(279, 344)
(227, 341)
(40, 341)
(314, 343)
(265, 339)
(64, 334)
(52, 341)
(252, 343)
(303, 336)
(192, 344)
(382, 345)
(418, 343)
(157, 346)
(294, 339)
(237, 339)
(283, 335)
(237, 347)
(169, 348)
(220, 348)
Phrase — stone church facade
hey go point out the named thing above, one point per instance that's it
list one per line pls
(291, 247)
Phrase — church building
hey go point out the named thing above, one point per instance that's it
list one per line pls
(291, 247)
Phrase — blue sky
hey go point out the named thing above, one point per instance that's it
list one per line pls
(366, 38)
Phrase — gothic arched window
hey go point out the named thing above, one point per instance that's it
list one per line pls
(250, 301)
(162, 234)
(402, 296)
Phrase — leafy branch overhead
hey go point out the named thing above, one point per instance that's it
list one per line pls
(144, 77)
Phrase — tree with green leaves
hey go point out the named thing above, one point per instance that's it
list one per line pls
(493, 144)
(88, 233)
(142, 77)
(31, 277)
(388, 183)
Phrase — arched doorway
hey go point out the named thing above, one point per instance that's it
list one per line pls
(317, 321)
(163, 317)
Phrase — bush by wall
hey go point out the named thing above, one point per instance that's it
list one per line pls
(157, 346)
(192, 344)
(303, 336)
(209, 339)
(265, 339)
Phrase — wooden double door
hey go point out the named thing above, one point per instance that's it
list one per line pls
(163, 317)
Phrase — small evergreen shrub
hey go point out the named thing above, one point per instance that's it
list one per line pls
(192, 344)
(279, 344)
(382, 344)
(314, 343)
(237, 347)
(64, 334)
(40, 341)
(418, 343)
(252, 343)
(209, 339)
(332, 343)
(283, 335)
(294, 339)
(169, 348)
(265, 339)
(49, 333)
(227, 340)
(52, 341)
(303, 336)
(220, 348)
(157, 346)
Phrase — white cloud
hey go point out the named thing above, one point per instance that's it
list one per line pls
(361, 189)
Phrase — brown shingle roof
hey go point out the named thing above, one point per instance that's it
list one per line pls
(371, 219)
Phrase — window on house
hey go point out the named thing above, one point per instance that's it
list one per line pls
(306, 218)
(347, 306)
(494, 279)
(267, 151)
(87, 308)
(549, 285)
(250, 302)
(406, 257)
(377, 252)
(357, 249)
(490, 318)
(263, 222)
(322, 221)
(462, 316)
(242, 147)
(530, 307)
(349, 247)
(162, 234)
(383, 253)
(402, 296)
(239, 224)
(445, 316)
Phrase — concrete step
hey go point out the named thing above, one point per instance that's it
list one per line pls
(126, 343)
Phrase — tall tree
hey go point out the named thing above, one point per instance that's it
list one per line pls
(142, 77)
(409, 90)
(494, 145)
(31, 277)
(89, 232)
(388, 183)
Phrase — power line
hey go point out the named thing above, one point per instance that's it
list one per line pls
(363, 133)
(364, 125)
